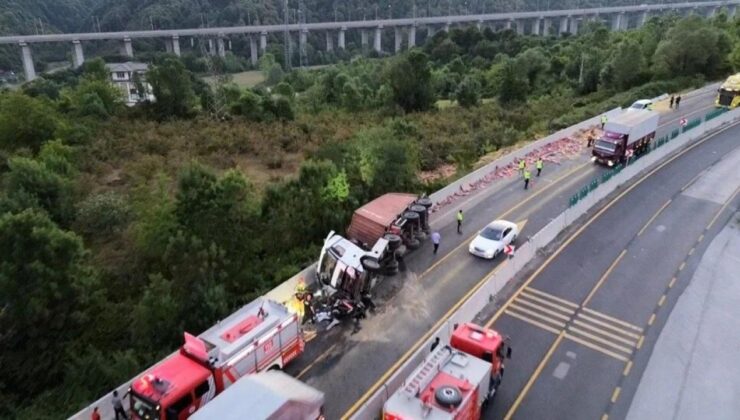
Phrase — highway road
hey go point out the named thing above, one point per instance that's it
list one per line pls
(583, 324)
(347, 367)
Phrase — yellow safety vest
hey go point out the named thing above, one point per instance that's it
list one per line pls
(527, 175)
(539, 164)
(522, 164)
(459, 216)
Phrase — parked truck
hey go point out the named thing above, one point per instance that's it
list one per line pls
(629, 133)
(380, 231)
(454, 381)
(728, 95)
(271, 395)
(262, 335)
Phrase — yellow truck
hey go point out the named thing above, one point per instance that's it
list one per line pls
(729, 93)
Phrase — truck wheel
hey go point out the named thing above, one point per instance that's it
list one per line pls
(371, 265)
(394, 241)
(425, 201)
(413, 243)
(448, 396)
(411, 216)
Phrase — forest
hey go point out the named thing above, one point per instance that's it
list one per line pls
(123, 227)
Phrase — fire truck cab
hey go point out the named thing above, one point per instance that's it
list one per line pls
(454, 381)
(260, 336)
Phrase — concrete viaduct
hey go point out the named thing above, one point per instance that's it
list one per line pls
(550, 22)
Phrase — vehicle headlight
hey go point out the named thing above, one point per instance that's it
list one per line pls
(489, 253)
(611, 163)
(593, 159)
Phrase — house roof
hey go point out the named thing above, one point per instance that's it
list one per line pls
(128, 66)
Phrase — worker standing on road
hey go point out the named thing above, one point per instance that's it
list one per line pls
(95, 414)
(300, 294)
(678, 101)
(590, 141)
(522, 165)
(435, 240)
(118, 406)
(527, 177)
(673, 99)
(459, 221)
(604, 119)
(539, 165)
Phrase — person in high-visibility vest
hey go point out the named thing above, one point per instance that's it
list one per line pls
(300, 293)
(604, 119)
(522, 165)
(539, 165)
(459, 221)
(527, 177)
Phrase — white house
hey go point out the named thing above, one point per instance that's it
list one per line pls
(126, 76)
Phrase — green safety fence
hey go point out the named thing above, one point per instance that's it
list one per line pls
(606, 176)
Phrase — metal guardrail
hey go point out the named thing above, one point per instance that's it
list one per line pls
(487, 292)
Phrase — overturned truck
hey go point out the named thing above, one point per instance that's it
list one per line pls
(380, 233)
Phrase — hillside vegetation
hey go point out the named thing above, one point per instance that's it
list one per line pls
(122, 228)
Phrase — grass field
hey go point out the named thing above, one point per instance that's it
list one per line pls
(245, 79)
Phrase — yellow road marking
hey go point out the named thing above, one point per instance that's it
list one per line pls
(604, 333)
(640, 341)
(673, 281)
(681, 267)
(627, 368)
(528, 296)
(609, 326)
(534, 376)
(553, 297)
(661, 301)
(321, 357)
(506, 213)
(724, 206)
(603, 277)
(541, 309)
(598, 339)
(652, 319)
(516, 307)
(596, 348)
(657, 213)
(533, 322)
(615, 394)
(692, 181)
(612, 319)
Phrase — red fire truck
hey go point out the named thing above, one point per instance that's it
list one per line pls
(454, 381)
(262, 335)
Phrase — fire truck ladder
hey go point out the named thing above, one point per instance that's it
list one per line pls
(427, 371)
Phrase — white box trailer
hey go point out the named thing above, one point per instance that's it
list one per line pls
(270, 395)
(635, 123)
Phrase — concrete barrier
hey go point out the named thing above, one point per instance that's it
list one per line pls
(372, 407)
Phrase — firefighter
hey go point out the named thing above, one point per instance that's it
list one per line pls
(604, 119)
(300, 291)
(539, 165)
(527, 177)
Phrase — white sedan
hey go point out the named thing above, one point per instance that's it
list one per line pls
(491, 241)
(642, 104)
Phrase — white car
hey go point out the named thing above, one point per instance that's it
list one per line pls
(642, 104)
(491, 241)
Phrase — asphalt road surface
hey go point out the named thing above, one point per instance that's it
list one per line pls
(584, 323)
(347, 366)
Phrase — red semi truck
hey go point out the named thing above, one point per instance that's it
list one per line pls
(627, 134)
(454, 381)
(262, 335)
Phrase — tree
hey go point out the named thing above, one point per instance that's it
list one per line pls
(532, 62)
(468, 92)
(625, 65)
(249, 106)
(688, 49)
(94, 98)
(25, 121)
(172, 89)
(508, 82)
(410, 77)
(45, 282)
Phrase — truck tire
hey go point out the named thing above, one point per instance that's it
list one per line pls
(448, 396)
(424, 201)
(394, 241)
(391, 269)
(371, 265)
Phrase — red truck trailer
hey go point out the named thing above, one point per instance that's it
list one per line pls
(627, 134)
(262, 335)
(454, 381)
